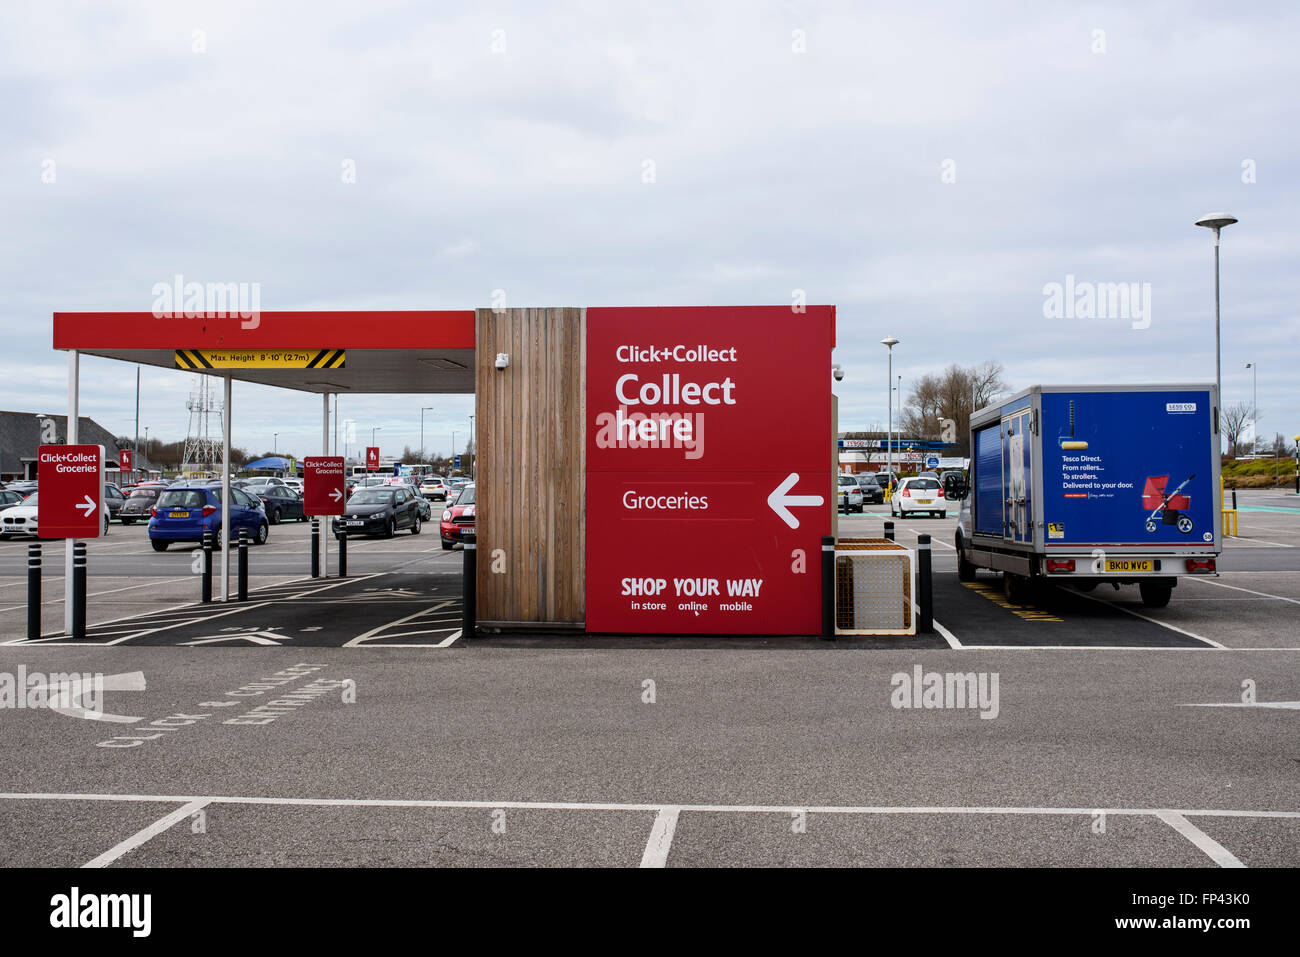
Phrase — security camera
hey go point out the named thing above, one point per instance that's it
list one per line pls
(503, 360)
(837, 370)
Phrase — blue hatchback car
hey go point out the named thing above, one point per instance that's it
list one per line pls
(184, 512)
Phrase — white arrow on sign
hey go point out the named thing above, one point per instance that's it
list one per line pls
(781, 502)
(88, 507)
(335, 494)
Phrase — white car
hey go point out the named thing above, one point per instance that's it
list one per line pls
(19, 519)
(435, 488)
(919, 494)
(850, 494)
(296, 484)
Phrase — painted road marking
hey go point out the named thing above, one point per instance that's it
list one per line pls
(1212, 848)
(660, 841)
(149, 833)
(1155, 621)
(948, 636)
(1284, 705)
(1024, 612)
(375, 632)
(1261, 594)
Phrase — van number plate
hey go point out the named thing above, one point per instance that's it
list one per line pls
(1128, 565)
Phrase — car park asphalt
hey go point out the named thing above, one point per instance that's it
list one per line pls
(301, 744)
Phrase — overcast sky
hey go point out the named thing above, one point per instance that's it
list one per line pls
(928, 168)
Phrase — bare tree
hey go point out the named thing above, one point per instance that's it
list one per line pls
(954, 395)
(1232, 423)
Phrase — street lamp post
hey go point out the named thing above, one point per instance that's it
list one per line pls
(889, 342)
(453, 448)
(275, 443)
(1254, 403)
(1216, 221)
(427, 408)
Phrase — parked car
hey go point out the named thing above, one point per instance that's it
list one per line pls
(258, 483)
(850, 495)
(138, 504)
(280, 502)
(184, 513)
(24, 487)
(435, 489)
(296, 484)
(9, 496)
(872, 493)
(380, 511)
(458, 518)
(19, 519)
(114, 499)
(919, 494)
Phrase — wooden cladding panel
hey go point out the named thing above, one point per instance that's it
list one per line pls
(531, 467)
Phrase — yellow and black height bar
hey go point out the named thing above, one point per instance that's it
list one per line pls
(201, 360)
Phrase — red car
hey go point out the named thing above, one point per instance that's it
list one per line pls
(458, 519)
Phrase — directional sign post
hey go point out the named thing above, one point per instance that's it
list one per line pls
(372, 458)
(323, 482)
(71, 481)
(709, 486)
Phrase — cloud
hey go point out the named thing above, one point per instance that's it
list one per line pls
(521, 169)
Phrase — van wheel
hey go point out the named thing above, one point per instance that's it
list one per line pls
(1017, 589)
(1156, 592)
(158, 546)
(965, 570)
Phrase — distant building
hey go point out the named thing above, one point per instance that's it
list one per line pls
(869, 452)
(22, 434)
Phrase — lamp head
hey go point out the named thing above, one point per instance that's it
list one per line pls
(1216, 220)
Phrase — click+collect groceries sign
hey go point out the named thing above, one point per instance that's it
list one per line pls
(71, 491)
(323, 483)
(709, 452)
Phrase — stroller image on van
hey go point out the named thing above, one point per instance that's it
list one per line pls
(1168, 508)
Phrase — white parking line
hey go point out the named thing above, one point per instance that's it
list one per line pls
(96, 594)
(660, 841)
(1261, 594)
(1155, 621)
(948, 636)
(148, 834)
(1213, 849)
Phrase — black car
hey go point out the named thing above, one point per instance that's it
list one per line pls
(9, 496)
(138, 504)
(872, 493)
(380, 511)
(114, 499)
(281, 502)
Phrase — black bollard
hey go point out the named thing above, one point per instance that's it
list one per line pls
(924, 586)
(33, 591)
(1234, 499)
(243, 564)
(343, 553)
(828, 586)
(469, 591)
(205, 587)
(889, 530)
(315, 548)
(79, 590)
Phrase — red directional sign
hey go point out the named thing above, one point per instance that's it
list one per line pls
(71, 491)
(323, 482)
(124, 460)
(372, 458)
(709, 480)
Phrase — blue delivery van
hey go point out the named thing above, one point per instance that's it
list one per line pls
(1084, 485)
